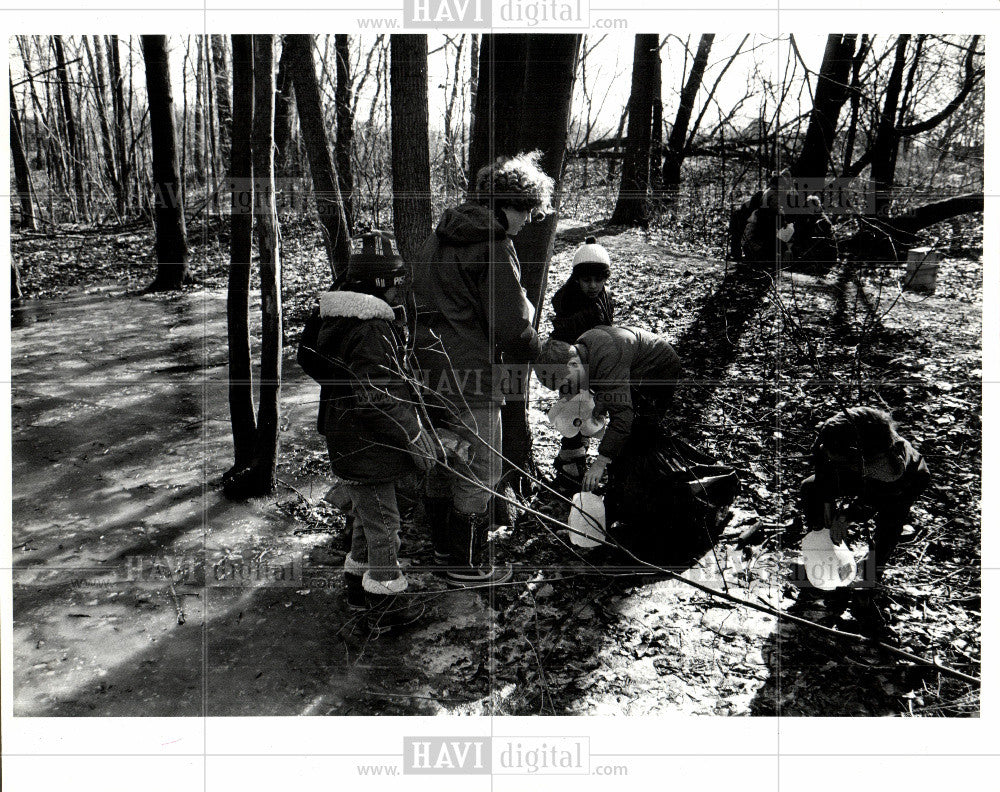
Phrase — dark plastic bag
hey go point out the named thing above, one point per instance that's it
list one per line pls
(669, 499)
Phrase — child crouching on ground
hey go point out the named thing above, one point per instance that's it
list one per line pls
(632, 374)
(859, 455)
(581, 304)
(355, 349)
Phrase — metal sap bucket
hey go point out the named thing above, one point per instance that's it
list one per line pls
(921, 270)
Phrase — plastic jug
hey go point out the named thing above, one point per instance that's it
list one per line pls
(575, 415)
(586, 518)
(828, 566)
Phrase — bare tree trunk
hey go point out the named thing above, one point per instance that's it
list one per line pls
(241, 409)
(496, 129)
(282, 112)
(673, 157)
(118, 106)
(184, 117)
(223, 103)
(411, 169)
(324, 174)
(632, 207)
(74, 144)
(171, 236)
(265, 454)
(831, 93)
(473, 93)
(343, 102)
(656, 128)
(107, 144)
(199, 116)
(507, 64)
(21, 177)
(550, 72)
(886, 143)
(855, 96)
(452, 159)
(621, 131)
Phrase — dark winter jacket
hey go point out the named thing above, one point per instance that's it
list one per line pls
(760, 236)
(840, 481)
(576, 313)
(472, 312)
(354, 348)
(619, 359)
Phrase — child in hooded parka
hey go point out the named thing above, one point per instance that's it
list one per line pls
(355, 347)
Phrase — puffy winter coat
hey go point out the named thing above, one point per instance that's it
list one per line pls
(619, 359)
(835, 480)
(354, 348)
(576, 313)
(472, 312)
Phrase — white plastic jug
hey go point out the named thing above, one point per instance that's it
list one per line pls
(575, 415)
(828, 566)
(586, 518)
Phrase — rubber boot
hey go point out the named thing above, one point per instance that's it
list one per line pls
(467, 534)
(437, 511)
(873, 620)
(388, 608)
(353, 573)
(355, 592)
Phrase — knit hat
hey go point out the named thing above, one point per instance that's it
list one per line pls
(375, 261)
(591, 260)
(551, 367)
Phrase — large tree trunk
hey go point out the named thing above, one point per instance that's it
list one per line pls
(118, 107)
(673, 157)
(75, 149)
(551, 68)
(265, 454)
(832, 87)
(507, 65)
(886, 144)
(21, 178)
(343, 102)
(324, 174)
(550, 74)
(411, 168)
(241, 408)
(171, 237)
(632, 207)
(496, 124)
(223, 105)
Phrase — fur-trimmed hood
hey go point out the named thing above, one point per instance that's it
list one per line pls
(355, 305)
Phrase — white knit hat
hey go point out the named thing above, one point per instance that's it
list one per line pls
(594, 257)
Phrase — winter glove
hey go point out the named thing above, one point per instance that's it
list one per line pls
(457, 449)
(425, 452)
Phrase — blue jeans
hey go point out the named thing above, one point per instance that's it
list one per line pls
(375, 537)
(481, 425)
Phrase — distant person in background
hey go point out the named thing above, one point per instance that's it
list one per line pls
(581, 304)
(813, 239)
(472, 316)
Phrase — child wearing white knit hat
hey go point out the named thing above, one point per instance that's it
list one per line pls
(580, 305)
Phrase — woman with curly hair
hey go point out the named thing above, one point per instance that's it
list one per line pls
(472, 316)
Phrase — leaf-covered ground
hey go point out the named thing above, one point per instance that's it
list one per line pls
(120, 435)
